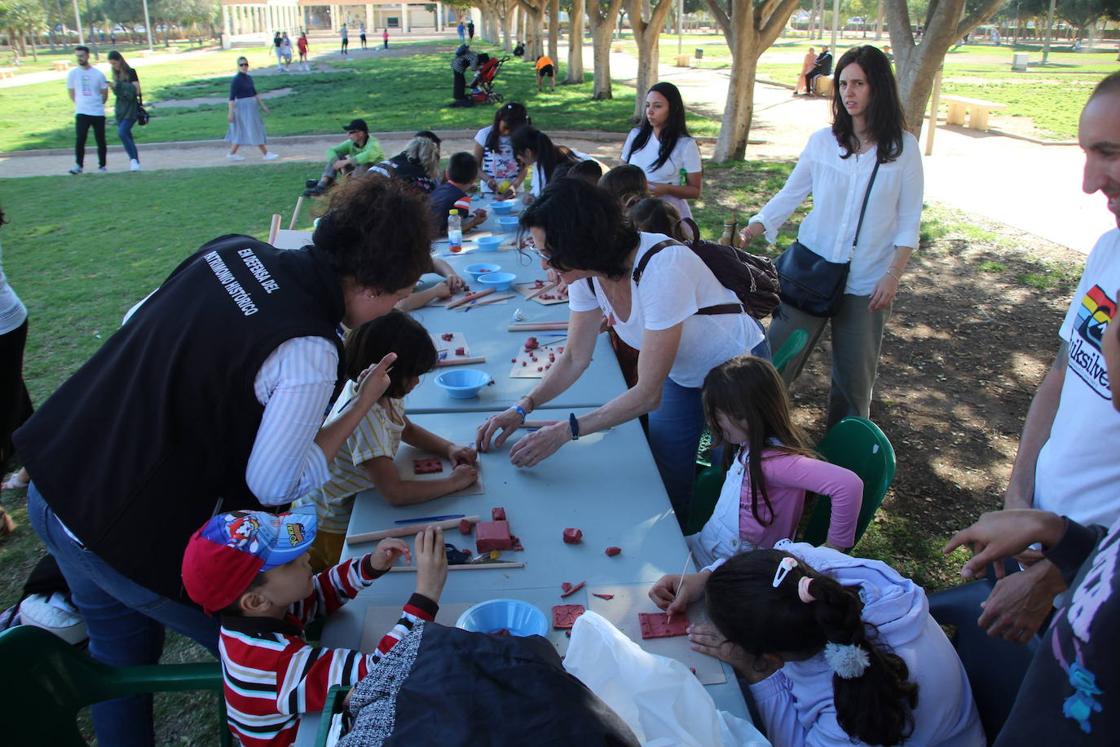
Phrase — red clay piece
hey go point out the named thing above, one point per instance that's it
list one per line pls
(564, 615)
(493, 535)
(572, 590)
(498, 513)
(532, 344)
(573, 536)
(517, 546)
(612, 551)
(447, 337)
(566, 586)
(427, 465)
(604, 596)
(465, 526)
(659, 625)
(460, 351)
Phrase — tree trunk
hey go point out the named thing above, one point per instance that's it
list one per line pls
(646, 35)
(602, 19)
(735, 128)
(575, 43)
(504, 22)
(554, 31)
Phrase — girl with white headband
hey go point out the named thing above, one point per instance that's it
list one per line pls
(836, 650)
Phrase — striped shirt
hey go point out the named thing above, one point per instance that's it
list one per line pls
(272, 676)
(377, 435)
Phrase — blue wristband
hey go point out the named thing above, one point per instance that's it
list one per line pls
(520, 411)
(573, 423)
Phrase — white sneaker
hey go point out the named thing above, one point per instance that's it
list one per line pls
(133, 165)
(76, 170)
(102, 169)
(235, 157)
(270, 156)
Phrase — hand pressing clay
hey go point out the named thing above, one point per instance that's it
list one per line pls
(564, 615)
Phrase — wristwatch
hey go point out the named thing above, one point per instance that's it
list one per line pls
(573, 424)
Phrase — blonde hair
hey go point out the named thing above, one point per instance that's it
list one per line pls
(426, 153)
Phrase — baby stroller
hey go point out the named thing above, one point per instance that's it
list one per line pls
(482, 87)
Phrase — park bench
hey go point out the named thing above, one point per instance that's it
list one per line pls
(977, 111)
(823, 84)
(61, 65)
(7, 72)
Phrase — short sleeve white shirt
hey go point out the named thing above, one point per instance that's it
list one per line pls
(676, 283)
(87, 85)
(1078, 468)
(894, 208)
(685, 155)
(501, 163)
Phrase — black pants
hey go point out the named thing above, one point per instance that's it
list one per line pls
(460, 89)
(15, 403)
(82, 123)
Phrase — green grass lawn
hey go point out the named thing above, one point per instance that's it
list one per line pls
(392, 93)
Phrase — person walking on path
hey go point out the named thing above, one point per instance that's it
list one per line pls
(89, 91)
(345, 35)
(865, 158)
(362, 35)
(662, 147)
(245, 106)
(126, 87)
(286, 51)
(278, 50)
(301, 43)
(385, 37)
(462, 29)
(470, 30)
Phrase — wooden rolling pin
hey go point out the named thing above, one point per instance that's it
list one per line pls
(469, 297)
(537, 326)
(459, 361)
(406, 531)
(502, 564)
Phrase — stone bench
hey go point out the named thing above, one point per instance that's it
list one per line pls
(7, 72)
(977, 111)
(60, 65)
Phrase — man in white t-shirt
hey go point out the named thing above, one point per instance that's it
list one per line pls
(1067, 461)
(89, 91)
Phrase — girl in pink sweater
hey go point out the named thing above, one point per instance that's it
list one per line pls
(763, 494)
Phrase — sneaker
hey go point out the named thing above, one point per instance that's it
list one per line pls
(103, 169)
(235, 157)
(270, 156)
(76, 170)
(133, 165)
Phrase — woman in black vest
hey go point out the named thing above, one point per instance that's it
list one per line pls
(210, 397)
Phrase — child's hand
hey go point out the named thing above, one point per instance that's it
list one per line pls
(443, 290)
(463, 475)
(674, 593)
(387, 552)
(462, 455)
(431, 563)
(456, 283)
(479, 216)
(373, 382)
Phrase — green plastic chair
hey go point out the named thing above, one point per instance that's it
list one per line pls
(793, 345)
(48, 681)
(705, 495)
(859, 445)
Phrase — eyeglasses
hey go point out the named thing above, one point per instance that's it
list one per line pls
(243, 64)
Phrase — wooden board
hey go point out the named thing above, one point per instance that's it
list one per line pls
(405, 462)
(543, 297)
(527, 362)
(622, 612)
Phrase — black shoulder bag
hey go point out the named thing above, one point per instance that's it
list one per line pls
(811, 283)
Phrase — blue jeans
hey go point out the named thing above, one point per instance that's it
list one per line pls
(125, 623)
(674, 437)
(124, 131)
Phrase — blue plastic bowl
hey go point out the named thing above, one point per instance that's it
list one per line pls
(500, 281)
(508, 223)
(519, 618)
(481, 268)
(504, 207)
(490, 244)
(463, 383)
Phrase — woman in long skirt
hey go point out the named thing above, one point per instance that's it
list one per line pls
(245, 106)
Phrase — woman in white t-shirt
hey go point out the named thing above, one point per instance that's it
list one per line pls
(662, 147)
(836, 168)
(658, 315)
(494, 152)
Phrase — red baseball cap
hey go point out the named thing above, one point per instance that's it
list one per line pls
(225, 555)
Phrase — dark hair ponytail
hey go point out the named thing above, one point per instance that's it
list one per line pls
(875, 707)
(549, 155)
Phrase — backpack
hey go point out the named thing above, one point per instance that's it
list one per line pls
(752, 278)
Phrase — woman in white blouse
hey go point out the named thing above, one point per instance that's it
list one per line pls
(835, 168)
(662, 147)
(661, 316)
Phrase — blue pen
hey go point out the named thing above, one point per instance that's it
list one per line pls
(423, 519)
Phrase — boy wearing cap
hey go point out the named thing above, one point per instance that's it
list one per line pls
(359, 149)
(253, 568)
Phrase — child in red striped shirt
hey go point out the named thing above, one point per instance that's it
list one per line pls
(253, 568)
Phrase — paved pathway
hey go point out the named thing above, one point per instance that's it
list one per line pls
(1032, 187)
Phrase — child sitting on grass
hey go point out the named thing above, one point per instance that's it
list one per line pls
(253, 568)
(366, 459)
(763, 497)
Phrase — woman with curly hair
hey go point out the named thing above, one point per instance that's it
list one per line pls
(210, 397)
